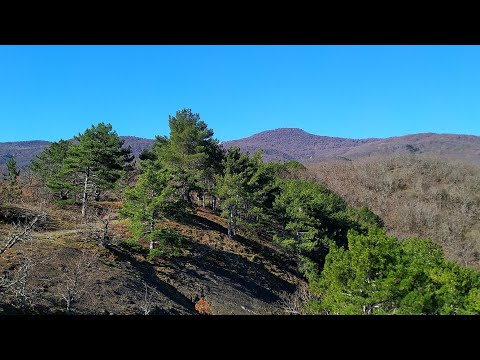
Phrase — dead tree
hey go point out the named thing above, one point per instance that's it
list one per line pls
(75, 281)
(294, 303)
(147, 304)
(24, 232)
(105, 218)
(23, 291)
(20, 283)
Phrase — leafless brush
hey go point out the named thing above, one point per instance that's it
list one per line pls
(22, 232)
(294, 303)
(147, 304)
(20, 282)
(102, 217)
(74, 282)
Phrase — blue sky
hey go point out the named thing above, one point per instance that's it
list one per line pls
(54, 92)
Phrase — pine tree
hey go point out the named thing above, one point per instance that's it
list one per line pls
(150, 199)
(98, 158)
(48, 167)
(191, 153)
(247, 189)
(232, 186)
(11, 188)
(307, 213)
(379, 274)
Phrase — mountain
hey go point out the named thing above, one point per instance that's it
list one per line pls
(137, 144)
(296, 144)
(25, 151)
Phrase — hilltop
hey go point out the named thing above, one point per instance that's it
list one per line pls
(296, 144)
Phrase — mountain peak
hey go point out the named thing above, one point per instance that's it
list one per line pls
(282, 133)
(297, 144)
(285, 131)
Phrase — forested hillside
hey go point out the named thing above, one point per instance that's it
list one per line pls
(296, 144)
(415, 195)
(194, 228)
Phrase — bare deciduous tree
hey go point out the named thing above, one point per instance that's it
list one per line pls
(23, 232)
(20, 283)
(295, 303)
(105, 217)
(74, 282)
(147, 303)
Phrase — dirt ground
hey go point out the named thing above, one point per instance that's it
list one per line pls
(214, 275)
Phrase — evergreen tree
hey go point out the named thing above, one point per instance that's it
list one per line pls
(98, 158)
(11, 188)
(191, 153)
(307, 212)
(150, 199)
(378, 274)
(48, 167)
(232, 186)
(247, 189)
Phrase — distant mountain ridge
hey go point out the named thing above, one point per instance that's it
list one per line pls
(26, 151)
(296, 144)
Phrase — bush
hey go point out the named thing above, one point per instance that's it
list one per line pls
(203, 307)
(154, 253)
(65, 202)
(168, 243)
(133, 245)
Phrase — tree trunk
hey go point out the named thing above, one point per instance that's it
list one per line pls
(214, 203)
(234, 221)
(105, 233)
(230, 221)
(85, 194)
(152, 229)
(203, 199)
(198, 200)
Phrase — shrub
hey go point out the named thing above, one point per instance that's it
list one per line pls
(168, 242)
(65, 202)
(203, 307)
(133, 245)
(153, 253)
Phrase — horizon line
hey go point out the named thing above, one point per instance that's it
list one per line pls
(263, 131)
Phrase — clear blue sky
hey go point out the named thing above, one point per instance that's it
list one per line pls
(54, 92)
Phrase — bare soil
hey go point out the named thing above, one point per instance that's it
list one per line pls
(222, 275)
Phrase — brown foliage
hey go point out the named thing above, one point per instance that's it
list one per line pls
(415, 196)
(203, 307)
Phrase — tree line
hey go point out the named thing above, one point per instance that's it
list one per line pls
(351, 264)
